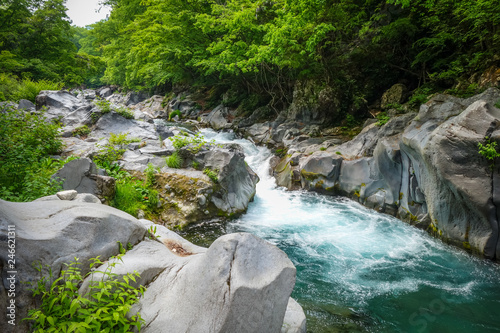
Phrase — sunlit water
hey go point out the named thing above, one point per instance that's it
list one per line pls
(360, 271)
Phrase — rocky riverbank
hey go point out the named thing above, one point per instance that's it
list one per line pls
(425, 168)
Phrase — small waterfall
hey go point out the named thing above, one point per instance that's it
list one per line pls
(360, 271)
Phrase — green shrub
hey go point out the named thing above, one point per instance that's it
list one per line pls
(81, 131)
(497, 104)
(489, 151)
(121, 139)
(173, 114)
(125, 113)
(26, 142)
(383, 118)
(103, 105)
(131, 197)
(103, 309)
(197, 142)
(322, 148)
(212, 174)
(150, 173)
(174, 161)
(29, 89)
(195, 165)
(12, 89)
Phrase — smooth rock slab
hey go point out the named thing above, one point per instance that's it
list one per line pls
(240, 284)
(54, 233)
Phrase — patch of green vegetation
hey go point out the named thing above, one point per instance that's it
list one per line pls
(212, 174)
(195, 165)
(12, 89)
(26, 143)
(83, 130)
(350, 121)
(466, 246)
(497, 104)
(174, 161)
(310, 176)
(396, 106)
(338, 153)
(150, 173)
(125, 113)
(489, 150)
(174, 113)
(383, 118)
(104, 308)
(121, 139)
(421, 96)
(322, 148)
(131, 196)
(103, 105)
(195, 143)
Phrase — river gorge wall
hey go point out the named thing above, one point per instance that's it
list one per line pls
(423, 168)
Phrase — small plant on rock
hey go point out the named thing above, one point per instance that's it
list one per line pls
(383, 118)
(125, 113)
(489, 150)
(81, 131)
(103, 308)
(173, 114)
(103, 105)
(174, 161)
(212, 174)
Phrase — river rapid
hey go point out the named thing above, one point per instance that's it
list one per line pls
(361, 271)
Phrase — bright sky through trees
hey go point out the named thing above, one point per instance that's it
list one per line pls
(84, 12)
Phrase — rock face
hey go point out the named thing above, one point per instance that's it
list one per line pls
(81, 175)
(53, 233)
(426, 170)
(240, 284)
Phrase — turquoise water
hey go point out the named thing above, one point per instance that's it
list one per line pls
(360, 271)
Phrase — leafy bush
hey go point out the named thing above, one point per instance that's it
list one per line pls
(131, 197)
(81, 131)
(174, 161)
(103, 309)
(103, 105)
(26, 141)
(383, 118)
(489, 150)
(197, 142)
(173, 114)
(12, 89)
(121, 139)
(212, 174)
(125, 113)
(150, 173)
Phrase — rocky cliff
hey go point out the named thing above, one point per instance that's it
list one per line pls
(424, 168)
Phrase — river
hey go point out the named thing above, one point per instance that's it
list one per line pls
(361, 271)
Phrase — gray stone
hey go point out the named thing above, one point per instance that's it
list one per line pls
(295, 318)
(81, 175)
(240, 284)
(53, 233)
(217, 118)
(394, 95)
(67, 195)
(114, 123)
(24, 104)
(235, 178)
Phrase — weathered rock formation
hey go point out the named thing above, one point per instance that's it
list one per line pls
(240, 284)
(425, 169)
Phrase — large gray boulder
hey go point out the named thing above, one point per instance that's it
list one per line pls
(240, 284)
(217, 118)
(81, 175)
(53, 233)
(425, 169)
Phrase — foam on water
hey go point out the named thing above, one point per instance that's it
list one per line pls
(360, 271)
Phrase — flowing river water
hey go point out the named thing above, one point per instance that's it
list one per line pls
(361, 271)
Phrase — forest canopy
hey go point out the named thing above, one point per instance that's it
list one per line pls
(256, 47)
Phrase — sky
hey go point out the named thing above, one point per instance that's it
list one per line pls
(83, 12)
